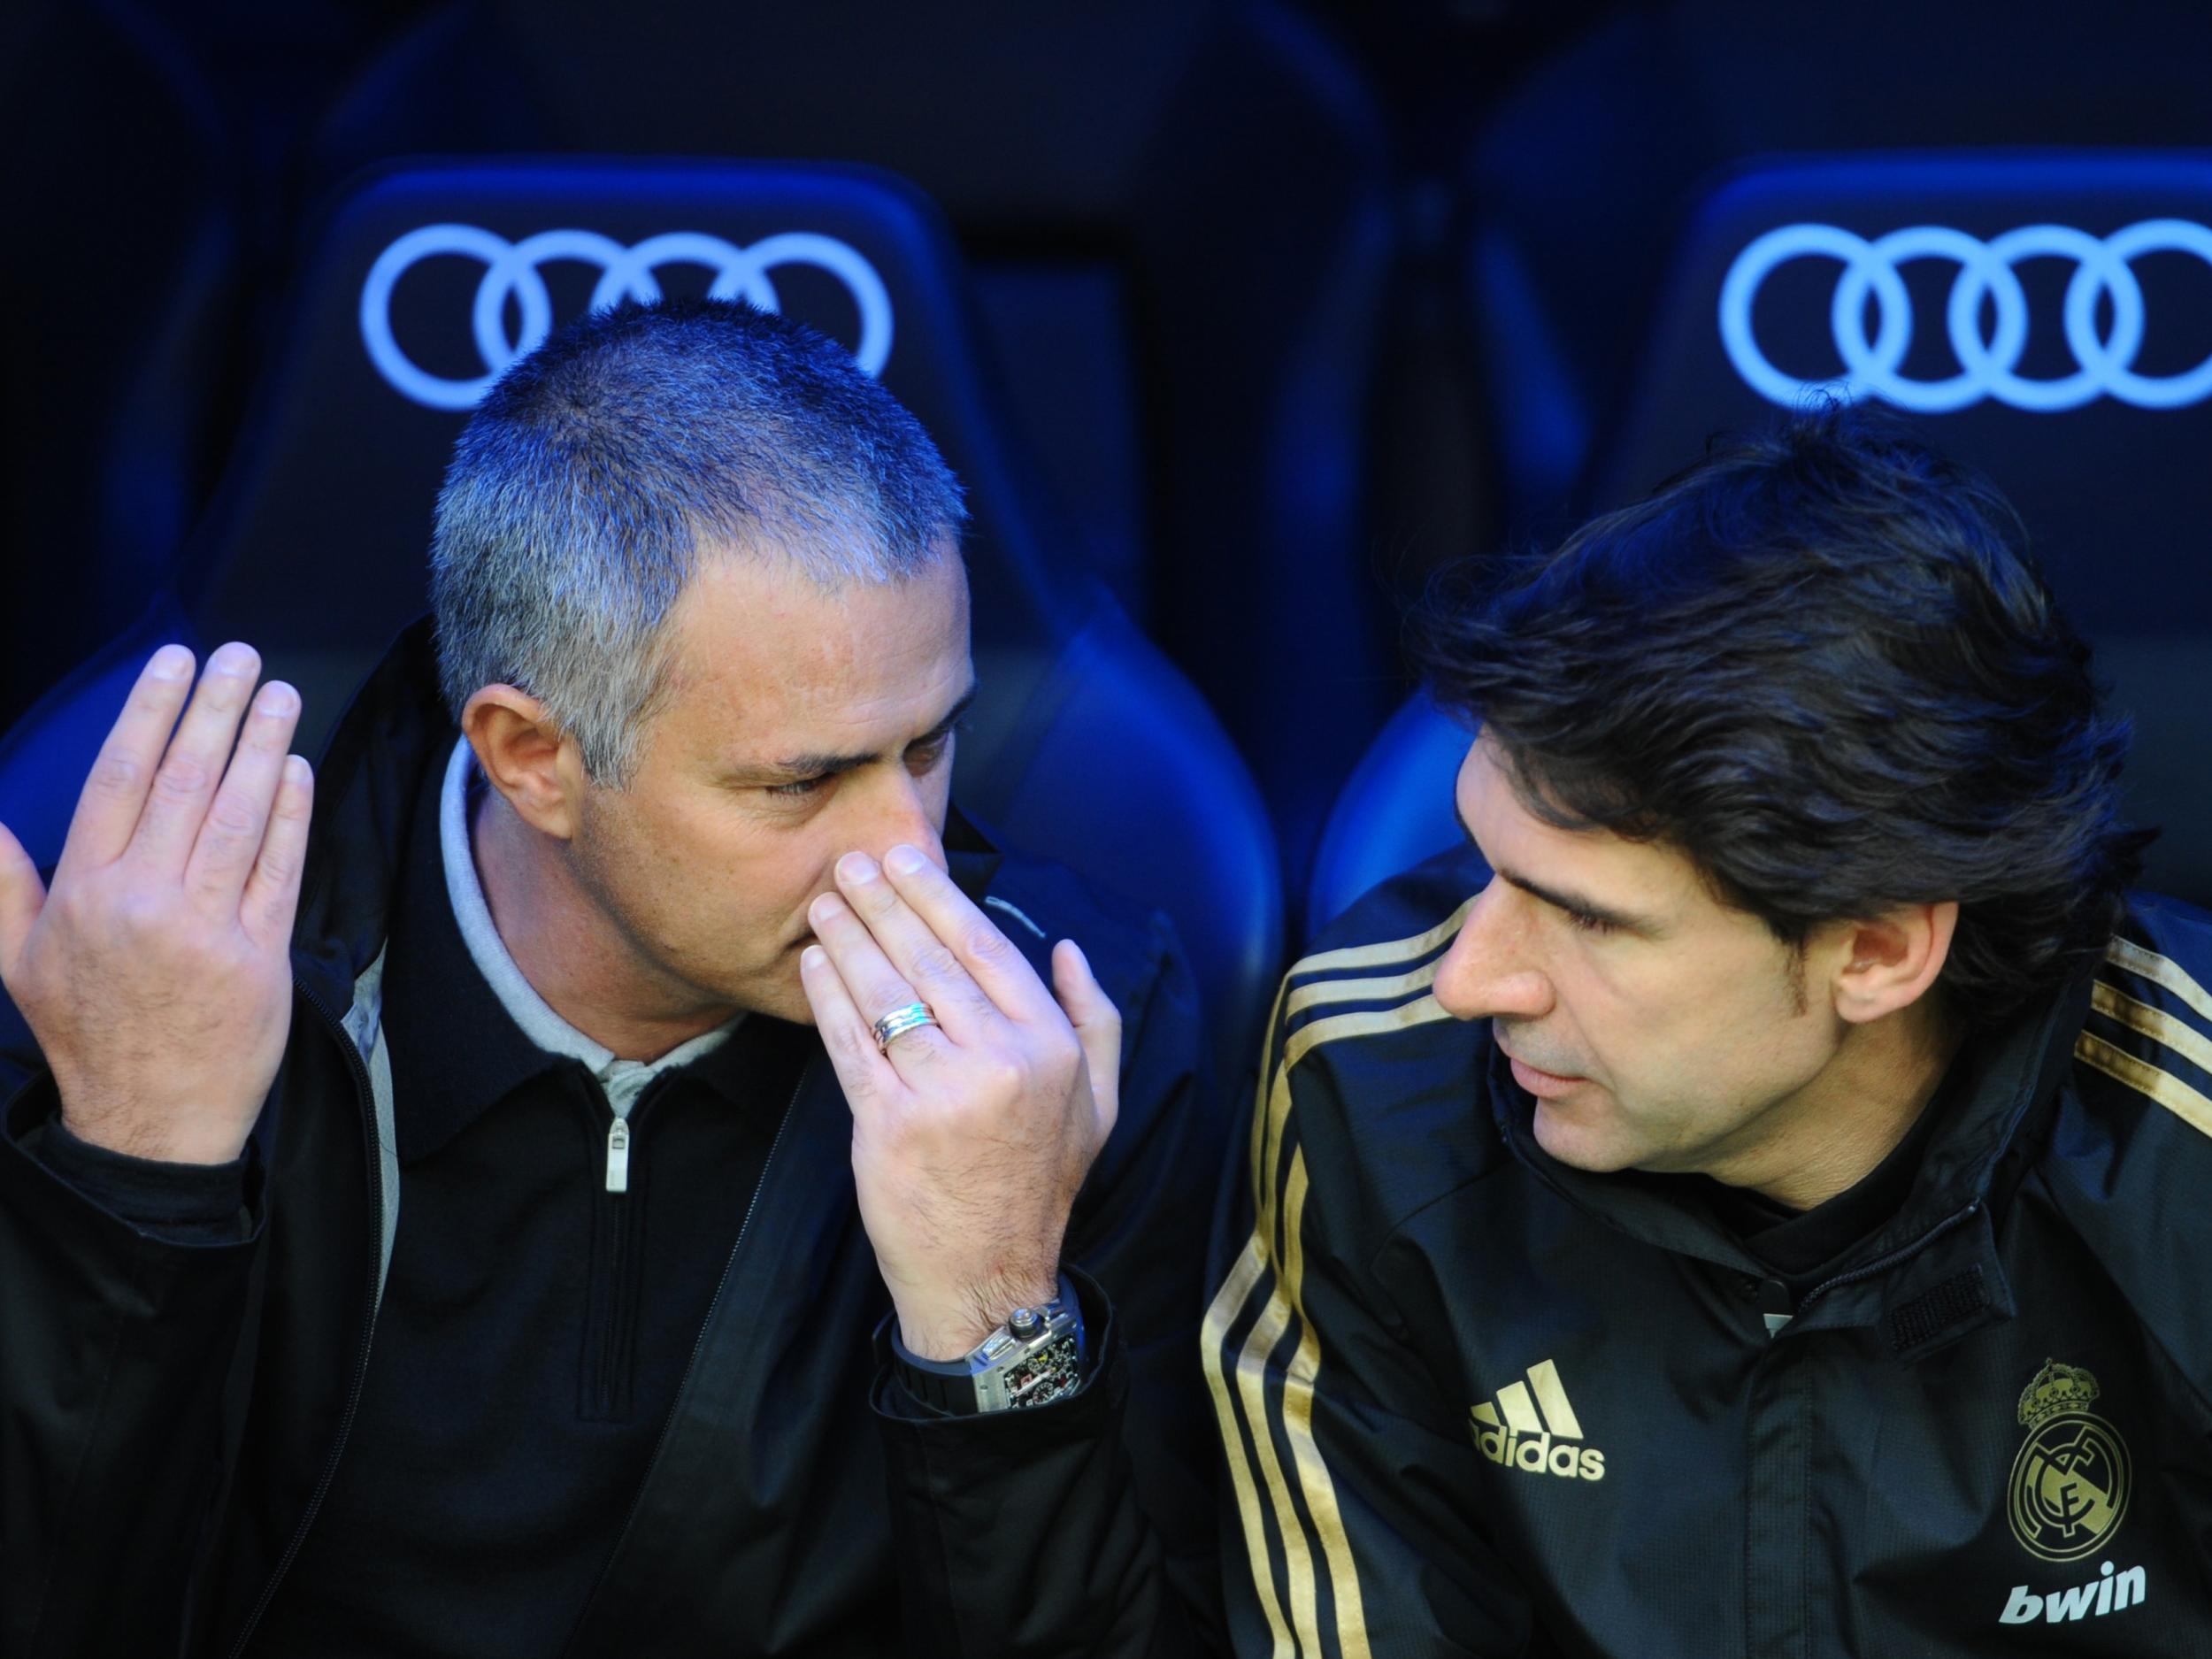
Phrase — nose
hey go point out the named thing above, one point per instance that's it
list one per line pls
(1489, 973)
(903, 812)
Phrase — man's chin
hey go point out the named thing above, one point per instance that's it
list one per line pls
(779, 992)
(784, 1000)
(1572, 1139)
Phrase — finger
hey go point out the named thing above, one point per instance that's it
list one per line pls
(1097, 1024)
(115, 792)
(864, 1073)
(922, 959)
(987, 955)
(875, 987)
(183, 784)
(271, 896)
(231, 835)
(22, 895)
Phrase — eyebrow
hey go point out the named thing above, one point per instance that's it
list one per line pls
(1559, 898)
(795, 767)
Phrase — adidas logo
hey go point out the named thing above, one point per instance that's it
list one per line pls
(1513, 1434)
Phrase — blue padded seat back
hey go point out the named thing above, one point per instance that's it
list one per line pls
(123, 208)
(1583, 173)
(1183, 222)
(45, 755)
(1394, 811)
(411, 296)
(2095, 428)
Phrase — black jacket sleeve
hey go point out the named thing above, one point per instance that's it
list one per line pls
(185, 1204)
(1347, 1526)
(1083, 1527)
(114, 1345)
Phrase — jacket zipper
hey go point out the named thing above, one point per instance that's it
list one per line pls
(1759, 1611)
(603, 1386)
(363, 1098)
(691, 1364)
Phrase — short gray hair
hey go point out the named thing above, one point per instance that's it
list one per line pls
(584, 483)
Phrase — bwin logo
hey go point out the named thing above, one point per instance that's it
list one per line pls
(2107, 1593)
(1538, 1445)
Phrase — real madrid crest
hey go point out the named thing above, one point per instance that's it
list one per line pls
(2069, 1484)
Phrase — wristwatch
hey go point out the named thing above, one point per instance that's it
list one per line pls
(1032, 1359)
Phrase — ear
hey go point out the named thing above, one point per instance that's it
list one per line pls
(1890, 961)
(526, 758)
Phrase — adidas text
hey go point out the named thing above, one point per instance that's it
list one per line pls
(1540, 1455)
(1531, 1426)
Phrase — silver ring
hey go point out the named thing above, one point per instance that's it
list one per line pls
(898, 1022)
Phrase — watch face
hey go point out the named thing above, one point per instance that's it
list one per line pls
(1007, 1371)
(1050, 1373)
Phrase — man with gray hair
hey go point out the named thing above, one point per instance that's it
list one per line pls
(607, 1162)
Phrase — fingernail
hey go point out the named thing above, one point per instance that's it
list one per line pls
(856, 867)
(171, 662)
(904, 860)
(278, 699)
(232, 659)
(812, 957)
(826, 907)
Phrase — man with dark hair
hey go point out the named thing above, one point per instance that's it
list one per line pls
(606, 1164)
(1764, 1218)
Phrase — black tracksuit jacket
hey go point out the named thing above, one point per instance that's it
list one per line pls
(171, 1414)
(1476, 1402)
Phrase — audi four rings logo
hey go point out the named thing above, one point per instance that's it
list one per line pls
(2105, 364)
(512, 269)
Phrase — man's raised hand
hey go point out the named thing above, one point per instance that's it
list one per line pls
(972, 1136)
(156, 974)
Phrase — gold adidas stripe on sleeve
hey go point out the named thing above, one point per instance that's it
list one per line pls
(2186, 1102)
(1257, 1394)
(2162, 970)
(2155, 1022)
(2177, 1036)
(1388, 987)
(1259, 1102)
(1389, 951)
(1235, 1290)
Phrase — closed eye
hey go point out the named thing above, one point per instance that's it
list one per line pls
(924, 756)
(921, 756)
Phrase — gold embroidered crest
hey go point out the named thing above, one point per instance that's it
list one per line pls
(2069, 1484)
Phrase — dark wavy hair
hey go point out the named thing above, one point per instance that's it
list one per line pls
(1822, 664)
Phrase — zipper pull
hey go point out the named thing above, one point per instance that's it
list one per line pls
(1774, 1306)
(618, 1157)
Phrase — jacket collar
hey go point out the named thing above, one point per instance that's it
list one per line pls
(388, 749)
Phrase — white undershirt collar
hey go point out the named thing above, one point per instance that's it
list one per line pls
(624, 1081)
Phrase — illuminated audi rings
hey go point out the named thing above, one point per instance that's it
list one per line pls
(2106, 366)
(512, 268)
